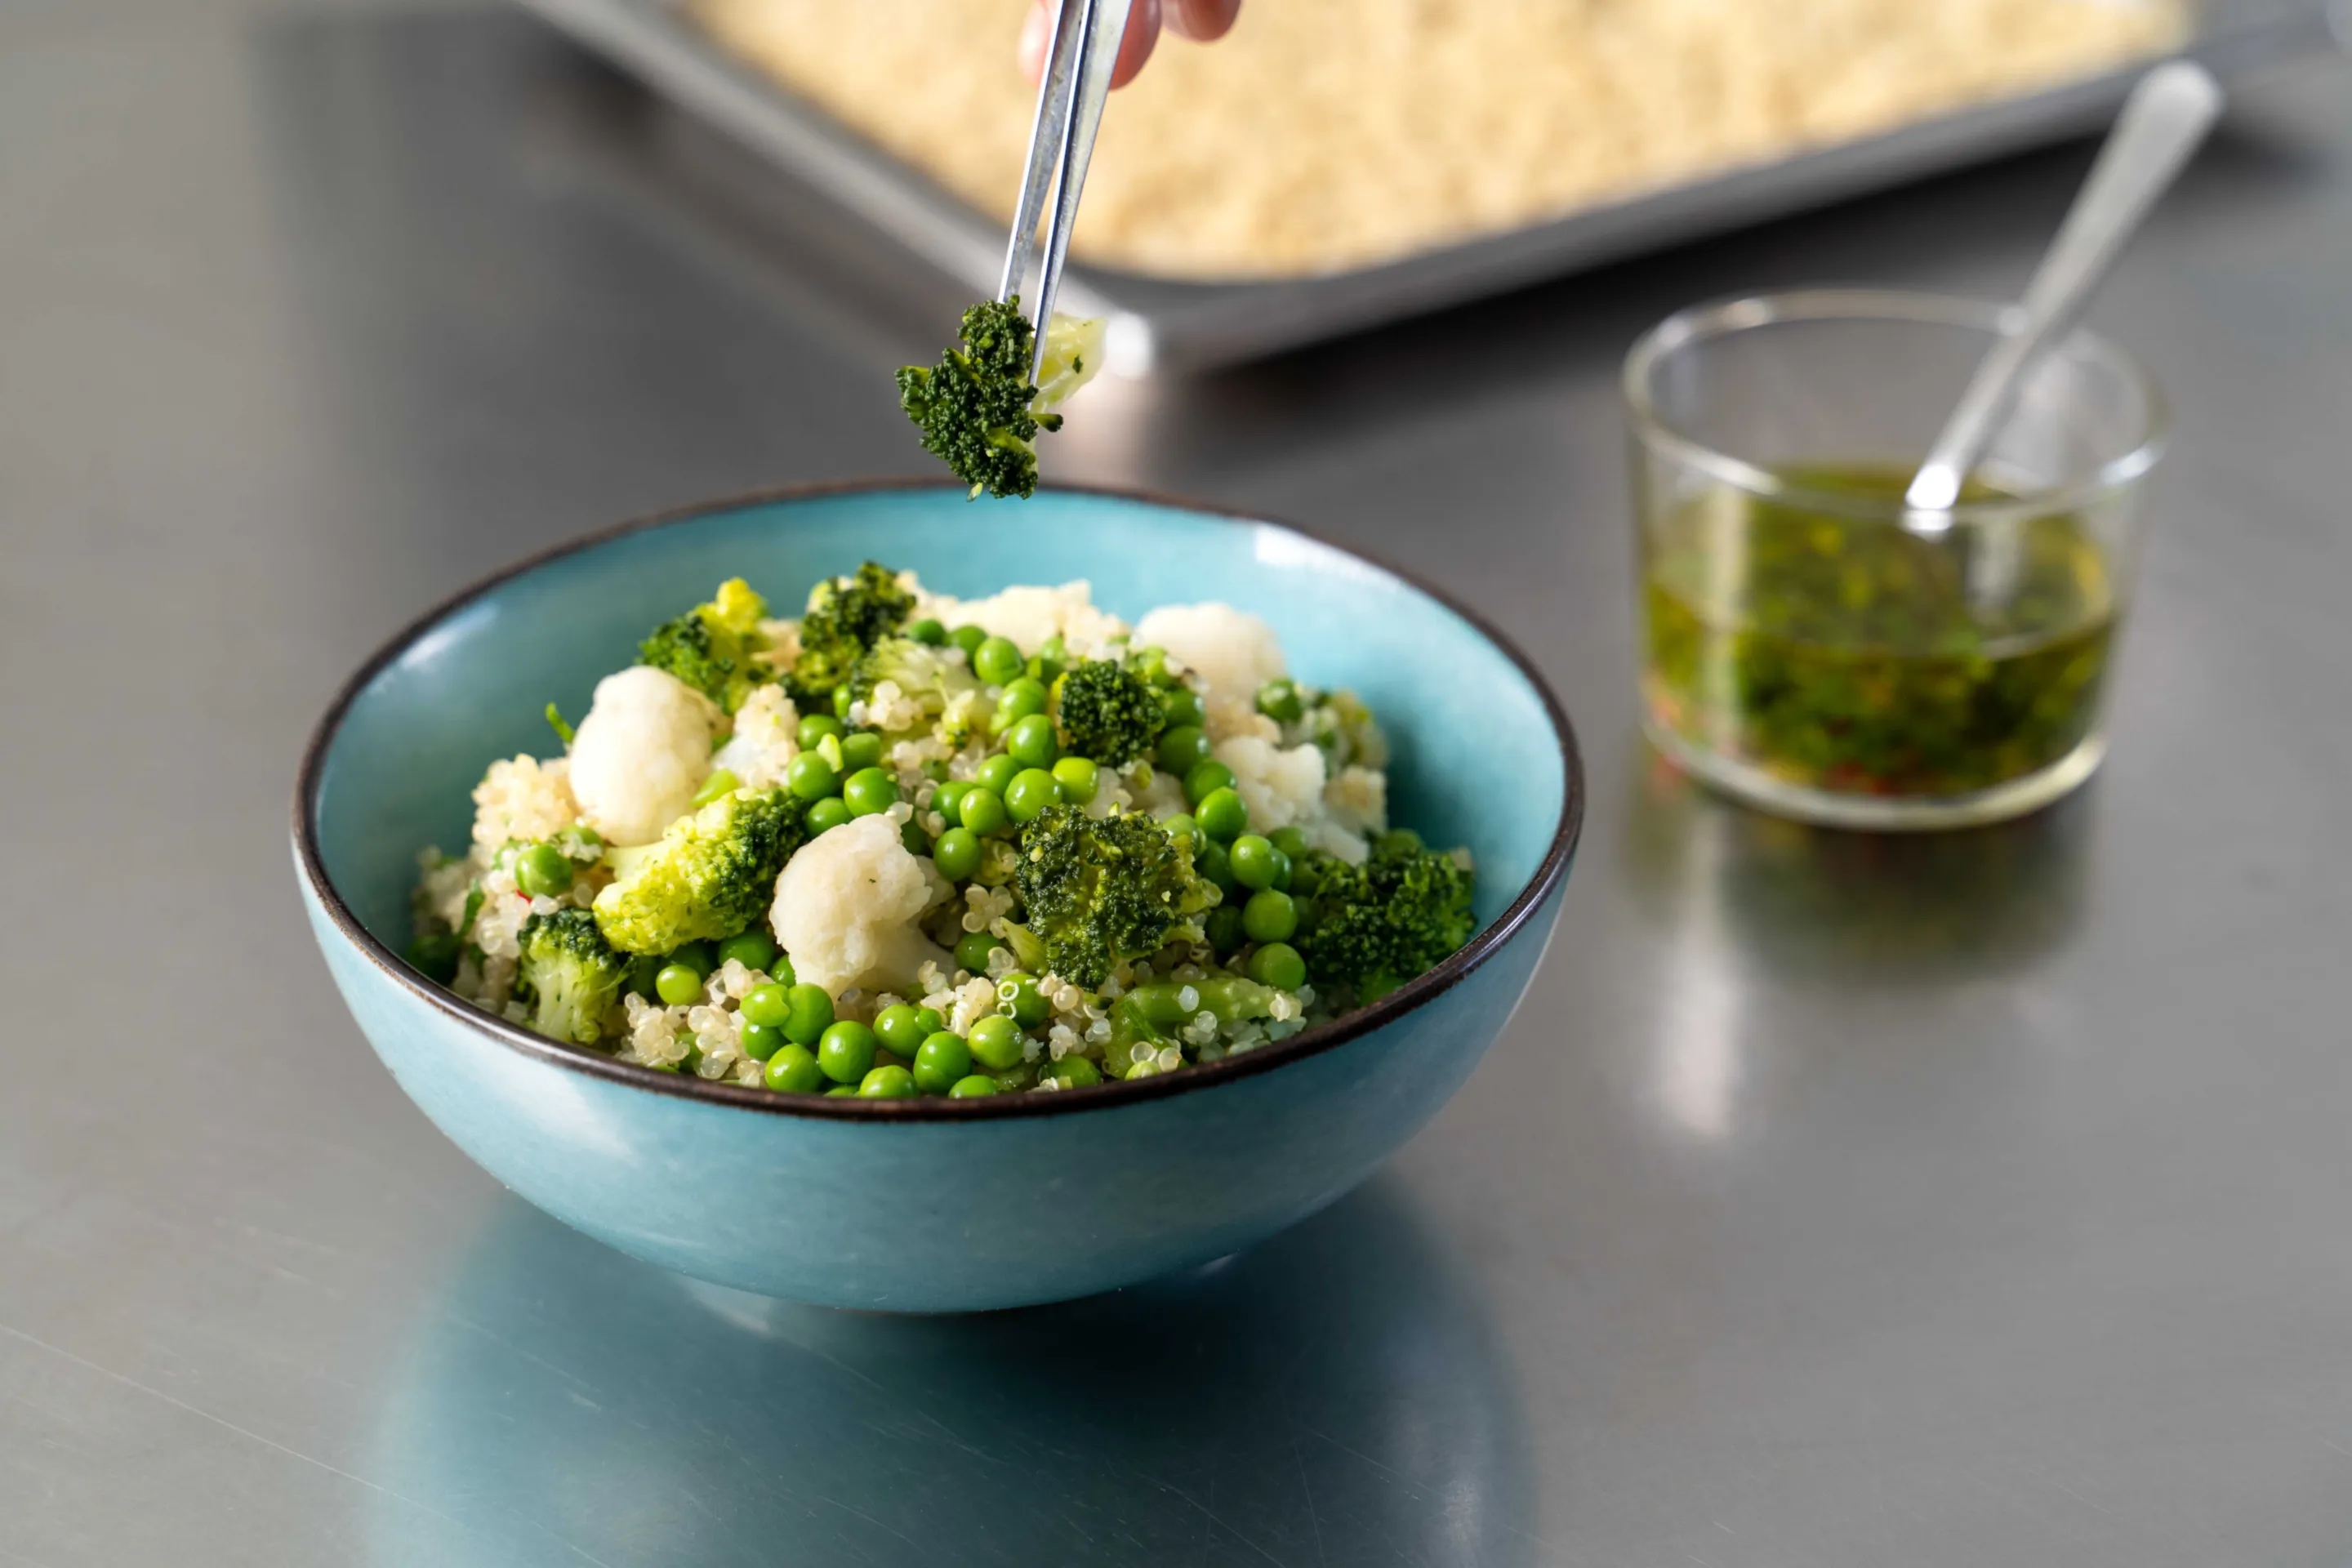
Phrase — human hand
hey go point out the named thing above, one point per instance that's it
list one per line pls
(1201, 20)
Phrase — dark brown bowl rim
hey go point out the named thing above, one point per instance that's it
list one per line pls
(1488, 942)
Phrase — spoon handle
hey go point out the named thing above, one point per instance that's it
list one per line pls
(2165, 117)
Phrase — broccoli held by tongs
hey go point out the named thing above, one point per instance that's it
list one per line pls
(977, 411)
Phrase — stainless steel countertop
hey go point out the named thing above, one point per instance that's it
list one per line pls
(1984, 1199)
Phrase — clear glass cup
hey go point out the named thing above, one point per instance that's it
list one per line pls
(1806, 650)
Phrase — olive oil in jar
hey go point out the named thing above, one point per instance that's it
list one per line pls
(1841, 652)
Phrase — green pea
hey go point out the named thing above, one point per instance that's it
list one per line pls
(996, 773)
(901, 1028)
(762, 1041)
(721, 782)
(544, 871)
(436, 956)
(996, 1042)
(859, 750)
(1279, 700)
(793, 1070)
(1224, 928)
(1181, 827)
(1078, 779)
(1018, 994)
(810, 1015)
(841, 700)
(842, 1091)
(1256, 862)
(997, 661)
(886, 1083)
(845, 1051)
(1152, 664)
(643, 967)
(1021, 699)
(697, 956)
(968, 638)
(1053, 657)
(1206, 780)
(752, 949)
(979, 1086)
(956, 854)
(942, 1062)
(1221, 815)
(1211, 861)
(1031, 792)
(945, 798)
(828, 814)
(928, 632)
(918, 842)
(1290, 841)
(972, 950)
(1278, 964)
(1270, 916)
(770, 1005)
(982, 812)
(677, 985)
(1398, 841)
(1075, 1072)
(869, 791)
(1032, 742)
(811, 777)
(781, 969)
(815, 727)
(1180, 707)
(1182, 749)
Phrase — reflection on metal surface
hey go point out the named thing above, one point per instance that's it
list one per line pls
(1331, 1395)
(1754, 898)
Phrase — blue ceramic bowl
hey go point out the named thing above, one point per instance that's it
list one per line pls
(933, 1204)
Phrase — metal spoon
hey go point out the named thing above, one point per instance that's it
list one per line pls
(2165, 117)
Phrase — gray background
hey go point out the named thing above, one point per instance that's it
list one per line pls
(1832, 1201)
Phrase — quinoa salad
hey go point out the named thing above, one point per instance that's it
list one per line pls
(911, 845)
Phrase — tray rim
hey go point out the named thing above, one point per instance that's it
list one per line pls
(1160, 323)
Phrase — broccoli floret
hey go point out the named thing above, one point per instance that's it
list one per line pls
(947, 693)
(711, 875)
(710, 647)
(569, 975)
(1107, 711)
(846, 615)
(1342, 728)
(976, 409)
(1377, 925)
(1100, 890)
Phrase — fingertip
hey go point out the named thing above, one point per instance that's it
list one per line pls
(1136, 44)
(1204, 21)
(1036, 37)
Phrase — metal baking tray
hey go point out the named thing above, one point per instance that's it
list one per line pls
(1158, 323)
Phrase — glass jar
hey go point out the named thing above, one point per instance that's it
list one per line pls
(1814, 649)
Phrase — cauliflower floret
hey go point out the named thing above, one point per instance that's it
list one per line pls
(1281, 788)
(846, 907)
(766, 739)
(641, 753)
(523, 799)
(1231, 652)
(1030, 616)
(1322, 833)
(1234, 651)
(1357, 800)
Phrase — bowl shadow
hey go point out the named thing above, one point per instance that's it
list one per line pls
(1333, 1395)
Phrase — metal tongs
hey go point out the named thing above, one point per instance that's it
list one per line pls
(1087, 35)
